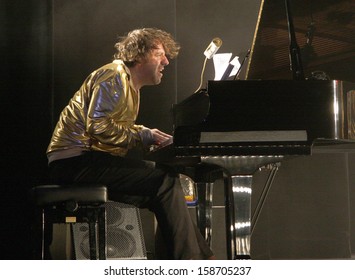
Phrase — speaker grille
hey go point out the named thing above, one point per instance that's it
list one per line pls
(124, 234)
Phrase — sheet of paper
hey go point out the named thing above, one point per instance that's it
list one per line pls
(235, 62)
(221, 62)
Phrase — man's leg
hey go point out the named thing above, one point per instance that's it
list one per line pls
(182, 237)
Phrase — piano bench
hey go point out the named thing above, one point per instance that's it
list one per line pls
(69, 204)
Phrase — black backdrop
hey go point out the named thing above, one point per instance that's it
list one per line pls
(25, 116)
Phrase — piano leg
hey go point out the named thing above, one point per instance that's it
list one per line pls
(238, 178)
(241, 189)
(238, 239)
(204, 210)
(241, 224)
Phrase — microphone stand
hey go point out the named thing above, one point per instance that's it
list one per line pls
(295, 54)
(236, 76)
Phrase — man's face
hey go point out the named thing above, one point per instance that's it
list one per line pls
(152, 65)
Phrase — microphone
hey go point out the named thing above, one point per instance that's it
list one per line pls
(213, 47)
(209, 53)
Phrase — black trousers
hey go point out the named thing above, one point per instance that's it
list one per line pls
(139, 183)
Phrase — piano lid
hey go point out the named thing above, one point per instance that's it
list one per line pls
(324, 31)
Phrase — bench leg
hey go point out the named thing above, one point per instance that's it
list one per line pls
(102, 233)
(92, 239)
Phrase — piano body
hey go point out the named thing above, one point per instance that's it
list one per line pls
(236, 127)
(242, 126)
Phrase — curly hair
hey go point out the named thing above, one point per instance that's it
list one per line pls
(138, 43)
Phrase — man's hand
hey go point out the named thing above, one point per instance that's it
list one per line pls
(160, 137)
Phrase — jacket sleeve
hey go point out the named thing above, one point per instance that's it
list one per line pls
(112, 113)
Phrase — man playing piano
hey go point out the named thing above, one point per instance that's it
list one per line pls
(97, 128)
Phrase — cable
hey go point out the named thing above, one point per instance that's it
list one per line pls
(202, 74)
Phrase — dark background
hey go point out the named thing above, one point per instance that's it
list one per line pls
(48, 47)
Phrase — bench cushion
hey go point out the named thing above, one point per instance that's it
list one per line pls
(83, 194)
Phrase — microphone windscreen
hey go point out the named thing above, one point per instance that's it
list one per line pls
(213, 47)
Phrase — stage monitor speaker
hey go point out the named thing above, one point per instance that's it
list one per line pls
(124, 234)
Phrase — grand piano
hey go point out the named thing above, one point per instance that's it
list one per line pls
(233, 128)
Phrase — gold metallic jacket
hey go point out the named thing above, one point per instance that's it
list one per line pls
(101, 116)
